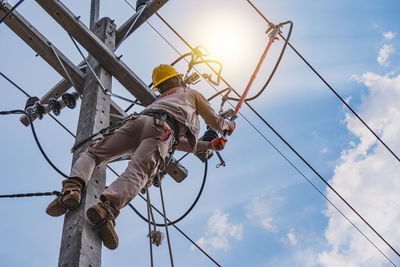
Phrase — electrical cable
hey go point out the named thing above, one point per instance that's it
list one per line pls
(35, 137)
(54, 193)
(188, 210)
(13, 83)
(331, 88)
(10, 11)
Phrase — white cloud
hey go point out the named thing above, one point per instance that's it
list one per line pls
(324, 150)
(219, 232)
(291, 236)
(389, 35)
(384, 54)
(260, 211)
(368, 178)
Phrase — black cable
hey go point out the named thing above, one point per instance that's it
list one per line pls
(54, 193)
(13, 83)
(10, 11)
(35, 137)
(187, 211)
(333, 90)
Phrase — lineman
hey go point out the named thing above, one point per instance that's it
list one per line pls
(171, 120)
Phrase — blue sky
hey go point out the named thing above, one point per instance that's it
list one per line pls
(257, 211)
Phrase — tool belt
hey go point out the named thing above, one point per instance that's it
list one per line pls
(172, 126)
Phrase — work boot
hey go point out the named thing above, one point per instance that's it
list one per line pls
(69, 199)
(103, 216)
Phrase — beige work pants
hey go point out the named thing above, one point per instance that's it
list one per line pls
(137, 136)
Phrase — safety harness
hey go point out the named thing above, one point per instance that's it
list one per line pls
(166, 121)
(169, 124)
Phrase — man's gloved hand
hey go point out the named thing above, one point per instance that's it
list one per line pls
(230, 131)
(218, 144)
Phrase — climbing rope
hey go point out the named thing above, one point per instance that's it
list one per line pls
(165, 220)
(149, 213)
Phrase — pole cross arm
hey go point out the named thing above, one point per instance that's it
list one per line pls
(62, 86)
(152, 7)
(98, 50)
(41, 45)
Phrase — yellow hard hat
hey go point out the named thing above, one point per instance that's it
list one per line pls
(163, 73)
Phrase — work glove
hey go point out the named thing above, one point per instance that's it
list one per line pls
(218, 144)
(230, 131)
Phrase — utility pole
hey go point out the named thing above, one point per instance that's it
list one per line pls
(80, 245)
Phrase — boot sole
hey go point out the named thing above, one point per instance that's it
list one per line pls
(55, 209)
(108, 236)
(106, 232)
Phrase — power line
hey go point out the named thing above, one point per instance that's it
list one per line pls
(331, 88)
(13, 83)
(54, 193)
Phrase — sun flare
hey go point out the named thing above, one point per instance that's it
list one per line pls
(230, 39)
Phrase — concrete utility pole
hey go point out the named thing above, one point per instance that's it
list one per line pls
(80, 245)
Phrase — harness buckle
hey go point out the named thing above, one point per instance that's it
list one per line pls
(168, 131)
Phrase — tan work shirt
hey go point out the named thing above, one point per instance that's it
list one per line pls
(185, 104)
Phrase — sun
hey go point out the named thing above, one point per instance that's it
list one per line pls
(230, 39)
